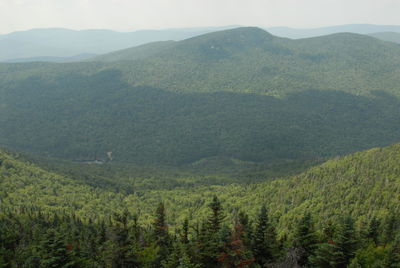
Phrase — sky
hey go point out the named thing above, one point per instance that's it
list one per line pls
(131, 15)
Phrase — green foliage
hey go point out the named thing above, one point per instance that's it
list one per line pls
(371, 257)
(305, 239)
(264, 246)
(212, 236)
(237, 96)
(327, 252)
(113, 228)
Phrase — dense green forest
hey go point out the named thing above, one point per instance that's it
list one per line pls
(33, 238)
(240, 94)
(342, 212)
(231, 149)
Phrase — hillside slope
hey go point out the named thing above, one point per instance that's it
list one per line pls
(364, 184)
(26, 185)
(388, 36)
(249, 60)
(241, 94)
(135, 53)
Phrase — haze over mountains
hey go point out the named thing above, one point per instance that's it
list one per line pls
(57, 44)
(63, 45)
(242, 94)
(349, 28)
(246, 145)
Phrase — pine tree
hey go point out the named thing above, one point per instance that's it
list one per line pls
(373, 230)
(116, 248)
(346, 241)
(327, 252)
(305, 239)
(160, 233)
(210, 245)
(185, 232)
(54, 252)
(217, 217)
(265, 246)
(237, 253)
(389, 228)
(160, 227)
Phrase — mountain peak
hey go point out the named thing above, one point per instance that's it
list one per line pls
(242, 35)
(221, 44)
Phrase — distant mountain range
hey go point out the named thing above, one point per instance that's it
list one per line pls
(388, 36)
(51, 44)
(350, 28)
(63, 45)
(80, 57)
(242, 94)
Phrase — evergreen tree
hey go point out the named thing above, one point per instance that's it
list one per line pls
(265, 246)
(327, 252)
(54, 252)
(346, 241)
(390, 228)
(160, 233)
(237, 254)
(373, 230)
(216, 218)
(117, 246)
(185, 232)
(210, 245)
(305, 239)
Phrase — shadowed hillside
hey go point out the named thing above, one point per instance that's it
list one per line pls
(241, 94)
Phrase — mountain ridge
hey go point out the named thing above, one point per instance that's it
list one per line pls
(297, 33)
(60, 42)
(278, 98)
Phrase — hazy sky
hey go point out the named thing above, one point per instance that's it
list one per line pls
(129, 15)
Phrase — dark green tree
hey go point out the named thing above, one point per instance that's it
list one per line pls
(210, 246)
(54, 251)
(160, 233)
(346, 241)
(264, 246)
(305, 239)
(327, 252)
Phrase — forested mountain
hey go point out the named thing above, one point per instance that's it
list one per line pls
(363, 184)
(50, 44)
(347, 28)
(55, 44)
(351, 200)
(135, 53)
(239, 94)
(388, 36)
(249, 60)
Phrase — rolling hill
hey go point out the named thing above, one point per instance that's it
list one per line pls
(242, 94)
(388, 36)
(364, 184)
(347, 28)
(135, 53)
(352, 199)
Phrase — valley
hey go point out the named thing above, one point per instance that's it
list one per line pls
(231, 148)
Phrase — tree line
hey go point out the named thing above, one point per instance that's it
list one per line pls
(30, 237)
